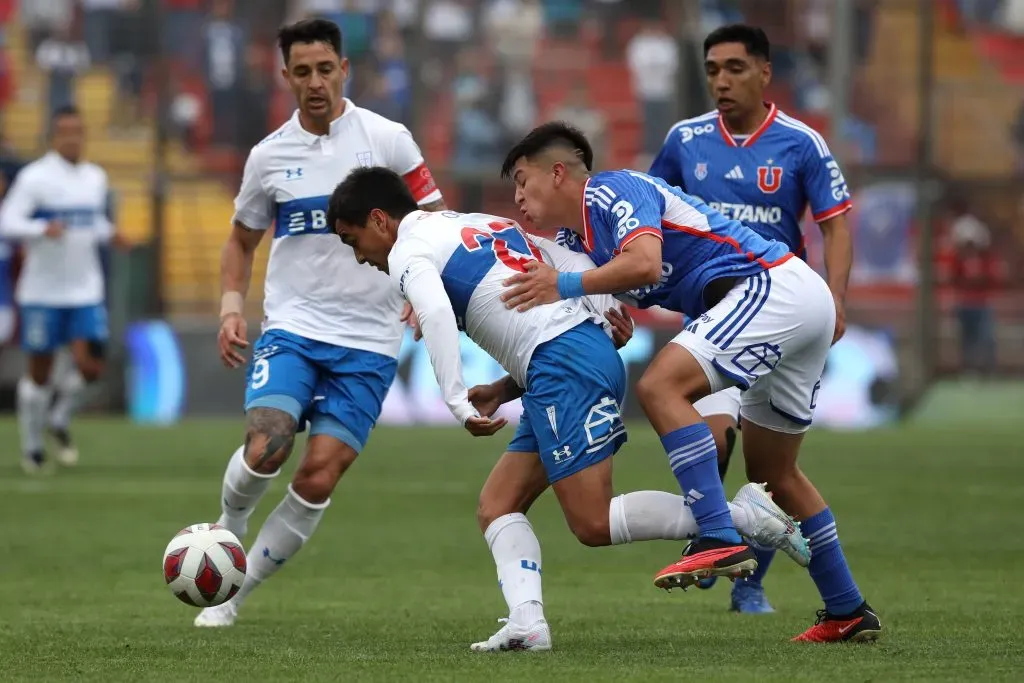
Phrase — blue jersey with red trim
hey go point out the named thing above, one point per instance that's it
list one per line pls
(765, 181)
(699, 244)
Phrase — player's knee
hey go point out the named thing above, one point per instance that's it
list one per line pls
(91, 372)
(314, 485)
(592, 531)
(490, 508)
(325, 461)
(650, 391)
(269, 439)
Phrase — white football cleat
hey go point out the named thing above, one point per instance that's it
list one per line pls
(512, 636)
(767, 525)
(217, 617)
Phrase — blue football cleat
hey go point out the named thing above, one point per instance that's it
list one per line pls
(749, 598)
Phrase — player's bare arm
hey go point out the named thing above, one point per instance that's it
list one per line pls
(235, 274)
(637, 266)
(838, 261)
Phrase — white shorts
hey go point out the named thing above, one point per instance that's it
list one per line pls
(770, 336)
(724, 402)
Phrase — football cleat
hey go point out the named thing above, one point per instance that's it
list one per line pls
(749, 598)
(860, 626)
(34, 463)
(513, 636)
(67, 453)
(217, 617)
(704, 558)
(768, 526)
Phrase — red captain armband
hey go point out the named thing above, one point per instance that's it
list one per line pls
(420, 182)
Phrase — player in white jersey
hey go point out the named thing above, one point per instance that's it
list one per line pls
(452, 268)
(331, 329)
(56, 208)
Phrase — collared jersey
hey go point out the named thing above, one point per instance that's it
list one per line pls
(314, 287)
(765, 181)
(66, 271)
(700, 245)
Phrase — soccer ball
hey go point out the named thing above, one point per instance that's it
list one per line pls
(204, 565)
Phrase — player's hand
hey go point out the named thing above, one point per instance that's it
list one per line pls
(622, 325)
(486, 398)
(840, 322)
(54, 230)
(537, 286)
(232, 336)
(409, 316)
(484, 426)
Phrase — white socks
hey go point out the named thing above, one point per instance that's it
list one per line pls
(652, 515)
(240, 493)
(516, 552)
(70, 392)
(286, 530)
(33, 405)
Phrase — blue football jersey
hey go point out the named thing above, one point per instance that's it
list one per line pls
(699, 244)
(765, 181)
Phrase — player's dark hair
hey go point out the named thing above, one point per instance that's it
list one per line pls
(752, 37)
(65, 110)
(309, 31)
(366, 189)
(547, 136)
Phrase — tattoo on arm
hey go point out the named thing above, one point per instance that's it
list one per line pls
(269, 437)
(435, 206)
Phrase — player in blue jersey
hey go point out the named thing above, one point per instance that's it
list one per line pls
(753, 163)
(451, 268)
(761, 320)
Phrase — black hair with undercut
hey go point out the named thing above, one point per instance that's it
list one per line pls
(309, 31)
(752, 38)
(545, 137)
(61, 112)
(366, 189)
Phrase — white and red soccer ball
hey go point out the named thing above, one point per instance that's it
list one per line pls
(204, 565)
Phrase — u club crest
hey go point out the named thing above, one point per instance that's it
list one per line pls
(701, 172)
(769, 179)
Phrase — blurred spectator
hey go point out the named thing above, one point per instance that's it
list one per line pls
(223, 52)
(255, 95)
(378, 98)
(42, 18)
(447, 26)
(563, 17)
(62, 57)
(578, 110)
(517, 103)
(653, 58)
(1017, 135)
(127, 47)
(513, 28)
(1013, 16)
(183, 21)
(975, 274)
(98, 25)
(390, 58)
(478, 136)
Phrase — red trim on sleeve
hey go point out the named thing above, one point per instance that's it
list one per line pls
(646, 230)
(420, 182)
(837, 210)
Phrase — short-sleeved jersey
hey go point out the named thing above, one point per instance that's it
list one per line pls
(66, 271)
(765, 181)
(700, 245)
(314, 287)
(475, 254)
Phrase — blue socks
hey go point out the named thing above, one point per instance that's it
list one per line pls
(694, 461)
(828, 566)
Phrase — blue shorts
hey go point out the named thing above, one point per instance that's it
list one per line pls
(571, 409)
(338, 390)
(44, 329)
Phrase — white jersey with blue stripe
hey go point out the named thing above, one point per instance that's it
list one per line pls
(700, 245)
(66, 271)
(765, 181)
(314, 287)
(468, 257)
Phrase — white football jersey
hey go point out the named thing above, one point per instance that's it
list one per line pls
(66, 271)
(452, 267)
(314, 286)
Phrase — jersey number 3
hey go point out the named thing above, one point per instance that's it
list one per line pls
(503, 239)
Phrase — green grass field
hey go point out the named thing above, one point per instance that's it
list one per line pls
(398, 580)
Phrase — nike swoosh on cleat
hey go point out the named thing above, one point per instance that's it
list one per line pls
(844, 629)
